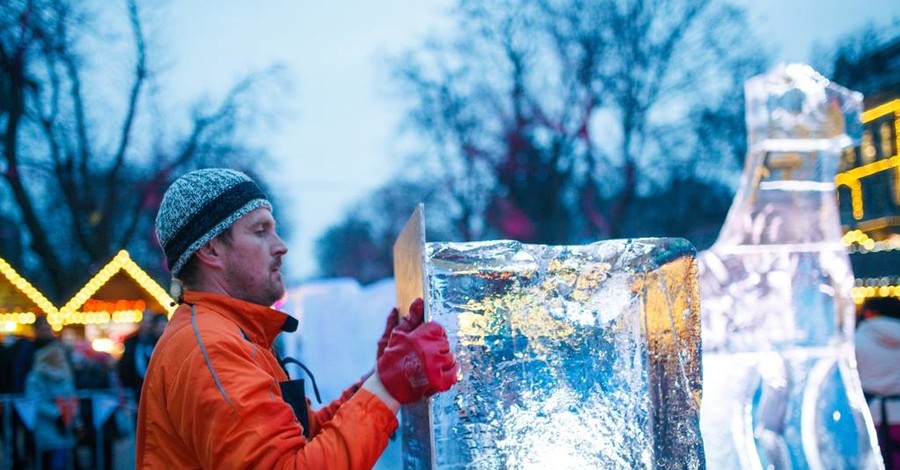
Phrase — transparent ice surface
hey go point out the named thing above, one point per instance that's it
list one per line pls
(570, 356)
(780, 385)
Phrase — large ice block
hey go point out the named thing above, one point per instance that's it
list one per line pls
(571, 356)
(780, 385)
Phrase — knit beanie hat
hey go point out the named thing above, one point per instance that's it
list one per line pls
(199, 206)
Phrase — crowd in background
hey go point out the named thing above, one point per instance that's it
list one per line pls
(50, 389)
(59, 378)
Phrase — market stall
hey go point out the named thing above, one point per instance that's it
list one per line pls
(111, 304)
(20, 302)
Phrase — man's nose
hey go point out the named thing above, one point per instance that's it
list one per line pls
(280, 248)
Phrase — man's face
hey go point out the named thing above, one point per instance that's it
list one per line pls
(252, 259)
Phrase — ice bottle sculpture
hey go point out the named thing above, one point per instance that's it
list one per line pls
(571, 357)
(780, 385)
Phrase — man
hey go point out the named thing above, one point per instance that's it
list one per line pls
(212, 396)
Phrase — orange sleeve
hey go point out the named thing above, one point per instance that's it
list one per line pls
(230, 410)
(318, 418)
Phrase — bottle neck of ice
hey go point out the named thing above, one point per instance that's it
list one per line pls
(798, 123)
(786, 197)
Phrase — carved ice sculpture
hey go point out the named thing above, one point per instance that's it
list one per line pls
(780, 385)
(571, 356)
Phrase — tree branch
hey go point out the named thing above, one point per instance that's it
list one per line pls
(140, 73)
(18, 84)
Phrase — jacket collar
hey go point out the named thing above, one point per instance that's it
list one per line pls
(260, 324)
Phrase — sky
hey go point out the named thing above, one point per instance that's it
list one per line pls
(339, 119)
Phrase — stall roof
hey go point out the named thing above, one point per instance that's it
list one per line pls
(120, 279)
(17, 295)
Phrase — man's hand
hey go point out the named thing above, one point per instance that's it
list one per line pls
(417, 363)
(409, 323)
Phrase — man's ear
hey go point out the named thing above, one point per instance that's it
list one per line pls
(208, 254)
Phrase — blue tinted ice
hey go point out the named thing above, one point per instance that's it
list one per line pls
(571, 356)
(780, 386)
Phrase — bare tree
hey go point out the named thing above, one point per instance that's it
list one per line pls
(558, 121)
(86, 176)
(864, 60)
(553, 115)
(361, 245)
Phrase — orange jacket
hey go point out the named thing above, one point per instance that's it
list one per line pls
(211, 399)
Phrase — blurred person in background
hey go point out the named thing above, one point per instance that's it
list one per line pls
(95, 377)
(138, 348)
(6, 343)
(51, 384)
(21, 353)
(216, 394)
(20, 360)
(878, 362)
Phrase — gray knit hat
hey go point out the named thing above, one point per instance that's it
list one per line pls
(200, 205)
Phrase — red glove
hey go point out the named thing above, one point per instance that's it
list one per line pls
(417, 363)
(392, 321)
(409, 323)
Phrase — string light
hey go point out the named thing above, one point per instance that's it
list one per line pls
(851, 178)
(858, 241)
(98, 312)
(26, 288)
(102, 345)
(886, 286)
(856, 199)
(879, 111)
(18, 318)
(897, 147)
(860, 294)
(70, 313)
(855, 174)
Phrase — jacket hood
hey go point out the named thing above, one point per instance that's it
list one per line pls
(884, 331)
(51, 363)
